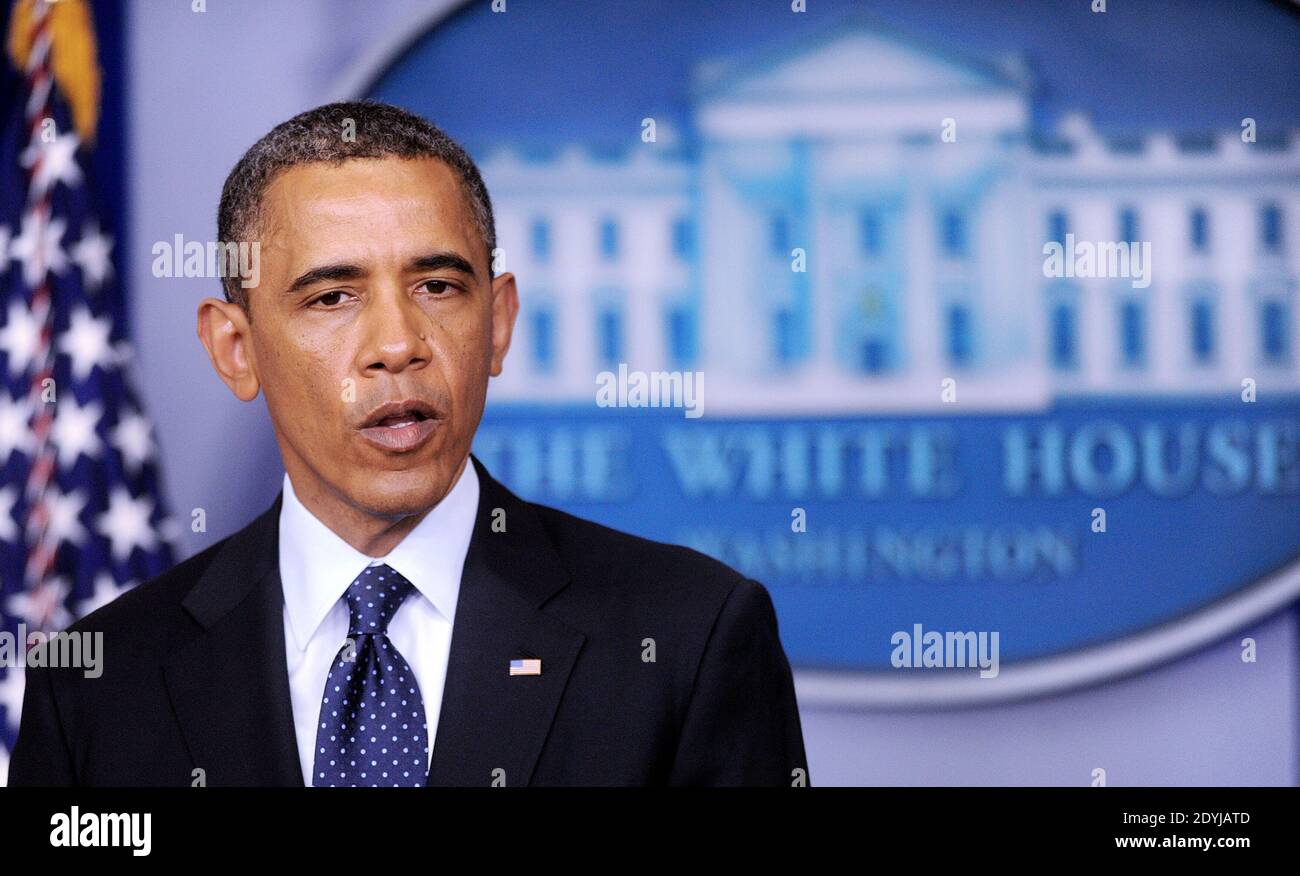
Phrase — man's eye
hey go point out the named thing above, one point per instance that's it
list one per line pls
(329, 299)
(440, 288)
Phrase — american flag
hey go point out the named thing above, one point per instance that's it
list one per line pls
(80, 516)
(525, 667)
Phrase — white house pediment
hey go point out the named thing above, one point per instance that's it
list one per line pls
(853, 63)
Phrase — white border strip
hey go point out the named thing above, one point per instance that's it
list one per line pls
(913, 688)
(363, 73)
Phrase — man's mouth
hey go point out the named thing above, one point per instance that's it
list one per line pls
(400, 426)
(397, 421)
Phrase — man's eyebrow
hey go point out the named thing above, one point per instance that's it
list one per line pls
(442, 261)
(325, 273)
(437, 261)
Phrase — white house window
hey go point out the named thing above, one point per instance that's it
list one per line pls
(871, 233)
(1128, 225)
(779, 235)
(1202, 329)
(1275, 341)
(953, 233)
(683, 234)
(1058, 224)
(784, 335)
(1270, 228)
(1199, 230)
(609, 332)
(959, 331)
(1063, 327)
(542, 325)
(681, 334)
(540, 240)
(1132, 332)
(609, 242)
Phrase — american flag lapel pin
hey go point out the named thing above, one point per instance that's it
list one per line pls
(526, 667)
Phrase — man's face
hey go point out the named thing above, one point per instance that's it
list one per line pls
(374, 329)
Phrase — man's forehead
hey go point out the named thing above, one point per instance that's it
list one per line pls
(366, 188)
(366, 206)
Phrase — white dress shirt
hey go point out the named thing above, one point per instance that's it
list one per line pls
(316, 567)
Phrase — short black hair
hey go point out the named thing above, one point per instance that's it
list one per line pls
(378, 130)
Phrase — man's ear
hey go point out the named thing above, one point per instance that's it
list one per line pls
(225, 333)
(505, 307)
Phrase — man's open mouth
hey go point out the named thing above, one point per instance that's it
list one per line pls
(396, 421)
(395, 414)
(400, 426)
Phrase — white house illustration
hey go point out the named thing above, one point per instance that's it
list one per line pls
(921, 197)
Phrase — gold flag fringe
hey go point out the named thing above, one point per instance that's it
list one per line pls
(73, 57)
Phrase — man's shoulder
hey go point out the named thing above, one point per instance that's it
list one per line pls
(157, 606)
(156, 602)
(595, 553)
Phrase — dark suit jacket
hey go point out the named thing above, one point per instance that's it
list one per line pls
(194, 669)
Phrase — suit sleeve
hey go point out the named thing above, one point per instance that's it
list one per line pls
(741, 725)
(41, 756)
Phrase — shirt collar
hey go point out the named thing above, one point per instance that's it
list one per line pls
(316, 565)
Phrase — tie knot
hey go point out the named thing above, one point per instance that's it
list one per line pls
(373, 599)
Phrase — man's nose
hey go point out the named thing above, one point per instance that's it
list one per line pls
(396, 335)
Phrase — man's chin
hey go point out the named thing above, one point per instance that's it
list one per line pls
(395, 495)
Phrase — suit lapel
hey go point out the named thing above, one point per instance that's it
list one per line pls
(230, 689)
(229, 686)
(492, 725)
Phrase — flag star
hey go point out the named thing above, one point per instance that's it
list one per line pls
(8, 527)
(15, 428)
(73, 432)
(126, 523)
(91, 253)
(11, 694)
(106, 590)
(20, 337)
(65, 516)
(41, 607)
(131, 436)
(86, 341)
(58, 162)
(170, 530)
(38, 246)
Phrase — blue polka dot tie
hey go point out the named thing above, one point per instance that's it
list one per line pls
(372, 729)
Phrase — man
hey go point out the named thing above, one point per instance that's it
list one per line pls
(397, 617)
